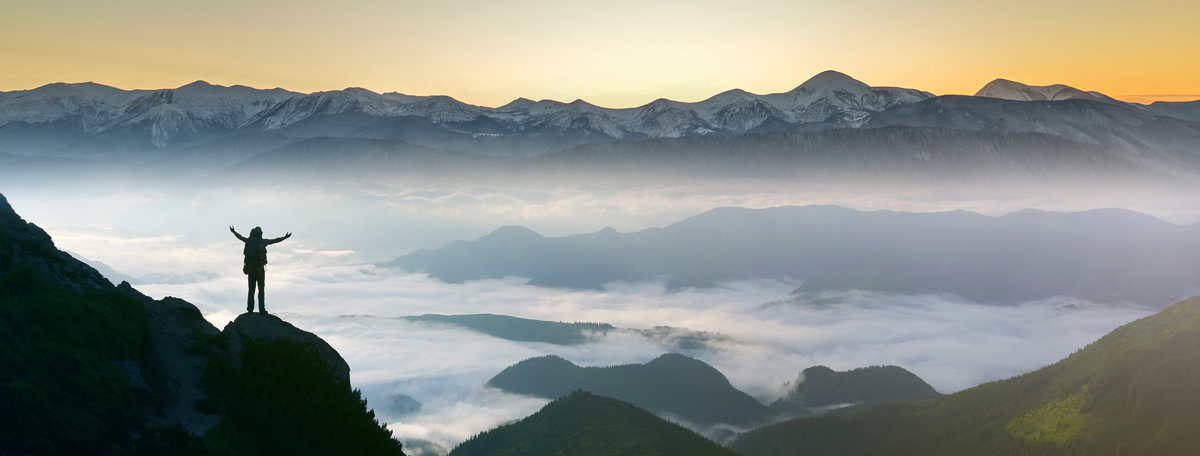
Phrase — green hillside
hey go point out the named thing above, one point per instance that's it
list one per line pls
(583, 424)
(1134, 391)
(823, 386)
(671, 383)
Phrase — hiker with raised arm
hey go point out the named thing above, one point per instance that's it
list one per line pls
(255, 264)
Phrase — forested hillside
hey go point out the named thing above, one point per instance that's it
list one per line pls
(1134, 391)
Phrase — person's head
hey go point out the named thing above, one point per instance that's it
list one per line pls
(256, 232)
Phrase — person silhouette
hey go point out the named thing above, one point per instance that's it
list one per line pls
(255, 264)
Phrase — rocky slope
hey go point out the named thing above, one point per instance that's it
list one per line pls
(23, 243)
(93, 365)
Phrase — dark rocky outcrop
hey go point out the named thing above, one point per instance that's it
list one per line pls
(270, 327)
(183, 343)
(24, 243)
(91, 367)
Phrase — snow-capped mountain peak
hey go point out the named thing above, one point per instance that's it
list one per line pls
(832, 80)
(1012, 90)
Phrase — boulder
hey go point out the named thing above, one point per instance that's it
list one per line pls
(269, 327)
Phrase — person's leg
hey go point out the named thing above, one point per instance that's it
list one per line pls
(250, 294)
(262, 292)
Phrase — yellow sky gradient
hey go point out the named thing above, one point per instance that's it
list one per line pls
(614, 53)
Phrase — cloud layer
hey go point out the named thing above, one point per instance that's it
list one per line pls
(950, 343)
(321, 281)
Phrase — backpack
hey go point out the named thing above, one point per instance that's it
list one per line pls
(256, 255)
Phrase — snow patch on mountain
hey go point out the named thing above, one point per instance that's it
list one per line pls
(1016, 91)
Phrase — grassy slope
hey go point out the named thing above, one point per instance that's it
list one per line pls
(584, 424)
(1135, 391)
(60, 389)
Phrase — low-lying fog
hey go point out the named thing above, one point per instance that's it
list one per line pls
(323, 280)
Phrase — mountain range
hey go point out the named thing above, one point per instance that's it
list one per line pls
(1102, 255)
(89, 119)
(201, 129)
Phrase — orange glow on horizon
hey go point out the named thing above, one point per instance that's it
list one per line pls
(617, 54)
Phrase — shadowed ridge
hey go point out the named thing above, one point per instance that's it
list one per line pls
(584, 424)
(820, 386)
(672, 384)
(23, 243)
(691, 368)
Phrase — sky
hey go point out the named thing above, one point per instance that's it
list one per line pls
(616, 53)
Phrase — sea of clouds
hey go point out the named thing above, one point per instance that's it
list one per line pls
(323, 280)
(951, 343)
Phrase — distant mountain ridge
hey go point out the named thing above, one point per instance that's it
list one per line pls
(199, 130)
(84, 119)
(1103, 255)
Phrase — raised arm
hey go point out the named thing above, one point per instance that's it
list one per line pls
(278, 239)
(235, 233)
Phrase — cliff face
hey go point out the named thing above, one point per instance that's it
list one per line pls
(269, 327)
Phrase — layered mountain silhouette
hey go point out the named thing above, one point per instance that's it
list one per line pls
(1134, 391)
(671, 384)
(1103, 255)
(827, 124)
(586, 424)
